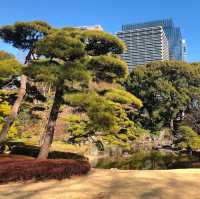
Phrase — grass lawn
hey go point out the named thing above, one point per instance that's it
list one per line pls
(112, 184)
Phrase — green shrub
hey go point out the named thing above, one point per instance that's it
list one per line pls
(76, 126)
(187, 138)
(4, 112)
(4, 108)
(105, 113)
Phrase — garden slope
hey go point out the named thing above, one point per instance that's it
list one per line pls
(112, 184)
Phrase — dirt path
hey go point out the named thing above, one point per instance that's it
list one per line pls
(112, 184)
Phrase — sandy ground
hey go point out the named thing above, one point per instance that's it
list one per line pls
(112, 184)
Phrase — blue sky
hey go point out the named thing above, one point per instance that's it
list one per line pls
(111, 14)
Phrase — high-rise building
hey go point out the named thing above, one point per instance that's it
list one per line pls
(172, 34)
(144, 45)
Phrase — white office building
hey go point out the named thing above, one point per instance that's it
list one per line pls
(144, 45)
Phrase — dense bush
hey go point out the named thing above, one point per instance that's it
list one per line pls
(17, 170)
(4, 111)
(187, 138)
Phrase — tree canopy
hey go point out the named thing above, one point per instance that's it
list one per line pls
(24, 35)
(187, 138)
(9, 68)
(168, 90)
(103, 116)
(70, 56)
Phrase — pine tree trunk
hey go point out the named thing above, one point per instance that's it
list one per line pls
(15, 108)
(50, 127)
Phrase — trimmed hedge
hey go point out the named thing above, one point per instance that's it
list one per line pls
(23, 170)
(19, 148)
(33, 151)
(184, 165)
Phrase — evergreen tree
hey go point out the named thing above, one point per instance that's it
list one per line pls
(74, 56)
(187, 138)
(169, 90)
(9, 68)
(102, 117)
(23, 36)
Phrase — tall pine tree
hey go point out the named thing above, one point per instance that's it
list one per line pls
(74, 55)
(23, 36)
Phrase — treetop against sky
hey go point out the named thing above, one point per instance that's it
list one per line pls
(109, 14)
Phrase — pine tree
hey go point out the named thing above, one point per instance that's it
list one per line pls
(9, 68)
(23, 36)
(76, 56)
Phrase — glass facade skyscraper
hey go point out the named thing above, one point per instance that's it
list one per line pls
(173, 34)
(144, 45)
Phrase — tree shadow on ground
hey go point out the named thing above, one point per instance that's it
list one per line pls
(108, 184)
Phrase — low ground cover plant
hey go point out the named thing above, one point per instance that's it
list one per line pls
(23, 170)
